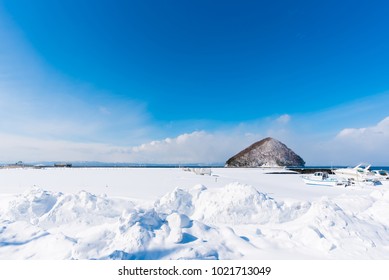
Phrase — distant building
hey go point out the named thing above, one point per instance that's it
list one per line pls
(62, 164)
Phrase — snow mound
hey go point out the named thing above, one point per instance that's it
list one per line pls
(31, 205)
(233, 222)
(179, 200)
(329, 228)
(233, 204)
(50, 209)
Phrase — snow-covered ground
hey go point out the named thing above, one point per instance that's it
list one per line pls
(162, 213)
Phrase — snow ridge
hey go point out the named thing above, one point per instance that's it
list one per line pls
(233, 222)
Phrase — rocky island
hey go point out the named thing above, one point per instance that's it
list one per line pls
(267, 152)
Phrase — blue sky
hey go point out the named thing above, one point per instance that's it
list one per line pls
(193, 81)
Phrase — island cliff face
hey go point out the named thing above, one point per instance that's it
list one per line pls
(268, 152)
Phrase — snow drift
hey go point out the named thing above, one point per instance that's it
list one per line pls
(233, 222)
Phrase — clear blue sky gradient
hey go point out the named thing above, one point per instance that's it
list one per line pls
(194, 65)
(236, 55)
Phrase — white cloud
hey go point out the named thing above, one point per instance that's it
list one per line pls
(195, 147)
(371, 134)
(284, 119)
(347, 147)
(214, 146)
(53, 139)
(351, 146)
(366, 144)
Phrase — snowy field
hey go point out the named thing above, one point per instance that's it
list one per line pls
(166, 213)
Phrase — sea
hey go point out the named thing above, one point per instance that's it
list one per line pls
(94, 164)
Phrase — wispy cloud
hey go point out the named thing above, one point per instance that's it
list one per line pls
(364, 144)
(14, 148)
(67, 117)
(283, 119)
(195, 147)
(348, 147)
(351, 146)
(360, 135)
(211, 146)
(38, 102)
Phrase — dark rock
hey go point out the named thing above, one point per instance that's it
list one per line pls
(268, 152)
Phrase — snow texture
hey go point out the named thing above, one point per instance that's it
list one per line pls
(235, 221)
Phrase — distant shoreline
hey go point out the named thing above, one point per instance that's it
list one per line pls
(305, 169)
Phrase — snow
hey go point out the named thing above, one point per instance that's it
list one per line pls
(163, 213)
